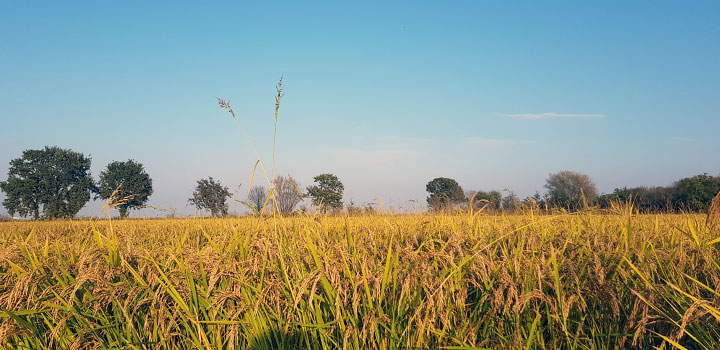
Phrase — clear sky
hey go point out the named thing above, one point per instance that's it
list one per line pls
(387, 95)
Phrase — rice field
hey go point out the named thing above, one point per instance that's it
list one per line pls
(463, 281)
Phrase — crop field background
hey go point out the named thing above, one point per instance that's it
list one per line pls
(586, 280)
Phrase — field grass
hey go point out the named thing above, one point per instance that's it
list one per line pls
(570, 281)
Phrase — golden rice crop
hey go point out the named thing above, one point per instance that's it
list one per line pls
(571, 281)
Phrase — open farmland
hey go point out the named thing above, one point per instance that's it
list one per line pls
(584, 280)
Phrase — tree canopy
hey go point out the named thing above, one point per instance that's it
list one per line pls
(53, 181)
(487, 199)
(287, 194)
(570, 189)
(444, 192)
(132, 183)
(257, 197)
(696, 193)
(327, 192)
(647, 199)
(210, 195)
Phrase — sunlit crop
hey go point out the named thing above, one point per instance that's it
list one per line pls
(471, 280)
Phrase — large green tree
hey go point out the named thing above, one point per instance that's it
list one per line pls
(212, 196)
(696, 193)
(570, 189)
(128, 184)
(327, 192)
(444, 192)
(53, 181)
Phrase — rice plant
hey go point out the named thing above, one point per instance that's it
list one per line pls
(466, 281)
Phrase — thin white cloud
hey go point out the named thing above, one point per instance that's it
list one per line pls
(554, 116)
(489, 142)
(382, 150)
(365, 157)
(404, 142)
(684, 140)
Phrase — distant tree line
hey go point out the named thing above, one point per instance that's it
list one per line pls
(693, 194)
(573, 191)
(54, 183)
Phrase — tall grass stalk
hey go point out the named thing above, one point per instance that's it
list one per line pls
(270, 179)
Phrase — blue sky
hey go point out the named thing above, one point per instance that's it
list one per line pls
(387, 95)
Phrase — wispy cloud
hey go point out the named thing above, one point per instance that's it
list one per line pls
(404, 142)
(382, 150)
(554, 116)
(489, 142)
(684, 140)
(375, 157)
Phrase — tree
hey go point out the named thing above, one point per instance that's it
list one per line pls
(535, 200)
(132, 183)
(569, 189)
(211, 195)
(327, 193)
(444, 192)
(287, 194)
(659, 199)
(257, 197)
(696, 193)
(52, 180)
(489, 199)
(646, 199)
(510, 202)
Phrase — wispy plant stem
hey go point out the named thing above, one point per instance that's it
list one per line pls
(278, 97)
(226, 105)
